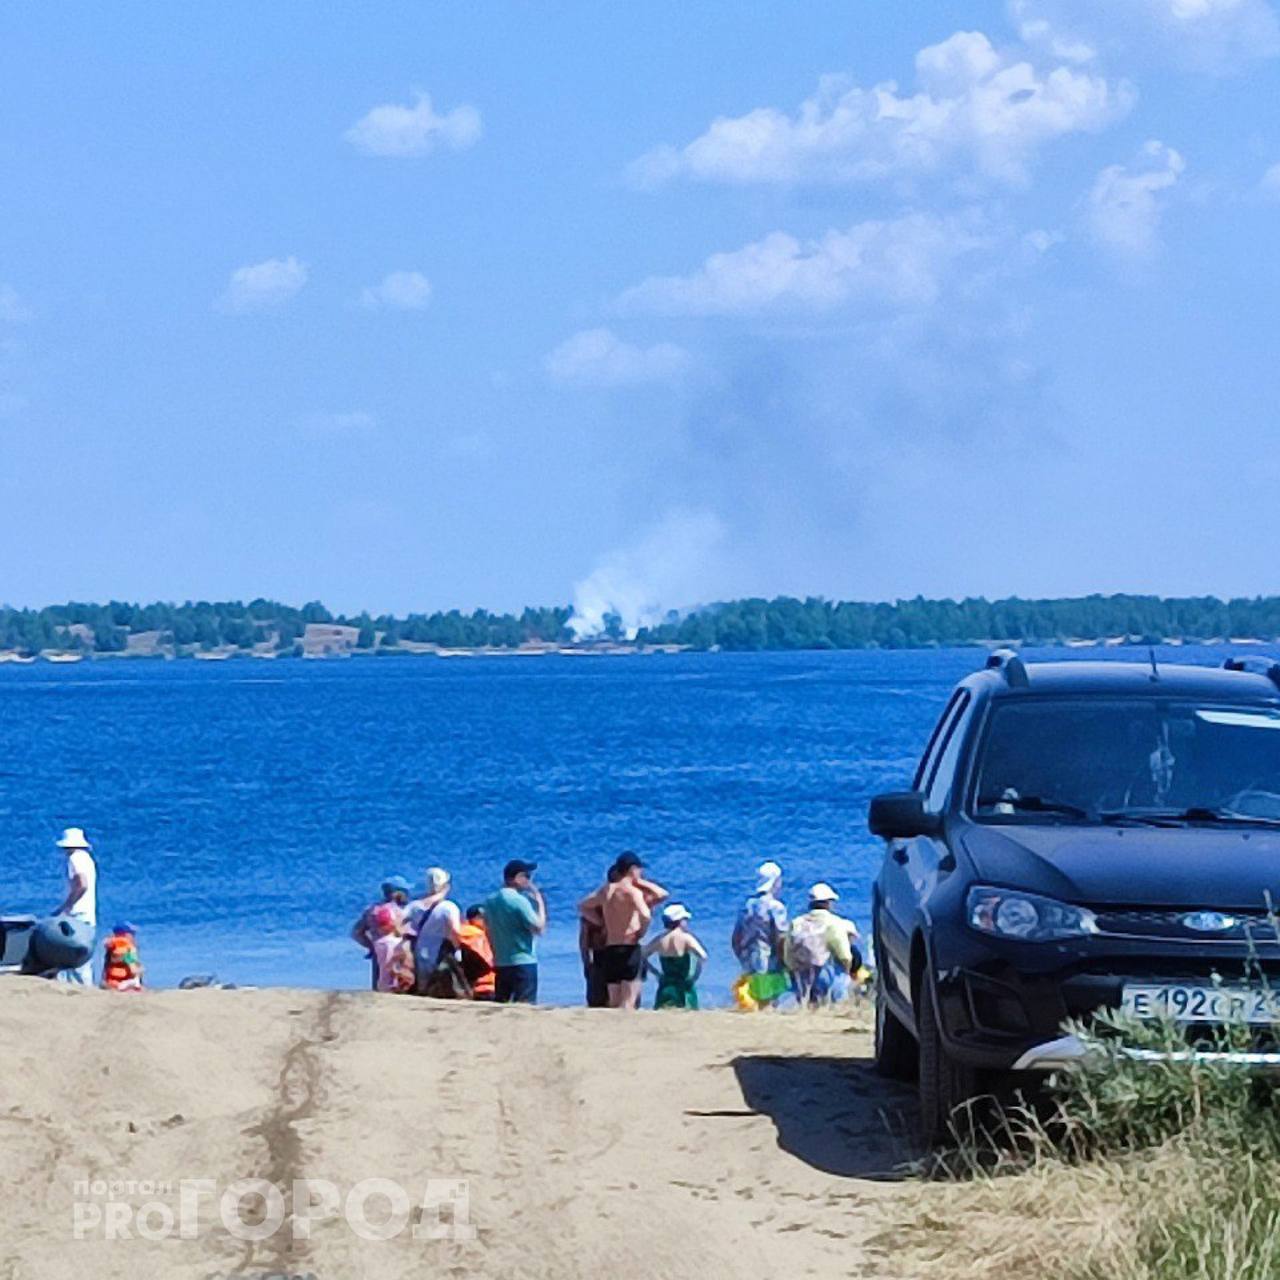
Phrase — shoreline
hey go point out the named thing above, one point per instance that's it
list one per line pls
(600, 649)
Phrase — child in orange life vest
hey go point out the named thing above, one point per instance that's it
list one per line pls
(121, 968)
(392, 950)
(476, 952)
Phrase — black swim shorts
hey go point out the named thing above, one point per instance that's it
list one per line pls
(621, 963)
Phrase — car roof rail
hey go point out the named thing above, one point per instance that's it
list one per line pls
(1255, 664)
(1012, 667)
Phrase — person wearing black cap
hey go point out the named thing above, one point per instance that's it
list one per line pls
(515, 915)
(623, 908)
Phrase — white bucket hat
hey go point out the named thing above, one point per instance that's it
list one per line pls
(73, 838)
(767, 876)
(675, 913)
(823, 892)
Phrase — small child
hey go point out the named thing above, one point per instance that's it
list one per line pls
(475, 953)
(121, 968)
(680, 960)
(391, 949)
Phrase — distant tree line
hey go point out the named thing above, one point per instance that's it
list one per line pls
(781, 623)
(106, 628)
(786, 623)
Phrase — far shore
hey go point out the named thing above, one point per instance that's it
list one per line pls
(147, 646)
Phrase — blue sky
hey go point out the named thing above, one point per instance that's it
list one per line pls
(413, 306)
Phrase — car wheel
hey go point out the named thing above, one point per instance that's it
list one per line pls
(896, 1051)
(945, 1084)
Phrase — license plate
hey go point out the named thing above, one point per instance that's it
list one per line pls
(1200, 1004)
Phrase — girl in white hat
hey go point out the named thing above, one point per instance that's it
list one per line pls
(680, 960)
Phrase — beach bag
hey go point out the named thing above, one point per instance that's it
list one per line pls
(766, 987)
(474, 965)
(446, 981)
(809, 949)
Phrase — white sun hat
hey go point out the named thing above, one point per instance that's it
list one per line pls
(767, 876)
(74, 838)
(823, 892)
(676, 912)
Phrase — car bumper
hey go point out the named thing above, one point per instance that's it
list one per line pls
(1000, 1005)
(1070, 1051)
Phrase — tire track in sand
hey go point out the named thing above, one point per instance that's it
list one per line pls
(299, 1090)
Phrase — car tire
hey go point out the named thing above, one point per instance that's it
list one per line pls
(896, 1051)
(945, 1084)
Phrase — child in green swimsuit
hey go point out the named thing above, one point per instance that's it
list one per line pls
(680, 957)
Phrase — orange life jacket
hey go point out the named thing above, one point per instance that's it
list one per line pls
(476, 940)
(121, 965)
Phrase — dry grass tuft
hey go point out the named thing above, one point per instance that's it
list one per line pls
(1135, 1172)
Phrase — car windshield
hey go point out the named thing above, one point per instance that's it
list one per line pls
(1140, 759)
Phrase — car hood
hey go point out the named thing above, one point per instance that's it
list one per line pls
(1135, 866)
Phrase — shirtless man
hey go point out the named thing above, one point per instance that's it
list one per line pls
(623, 908)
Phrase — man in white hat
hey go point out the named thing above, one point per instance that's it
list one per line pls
(819, 947)
(81, 902)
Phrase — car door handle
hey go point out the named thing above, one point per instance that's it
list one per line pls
(900, 854)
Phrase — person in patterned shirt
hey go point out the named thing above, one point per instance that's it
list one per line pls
(762, 924)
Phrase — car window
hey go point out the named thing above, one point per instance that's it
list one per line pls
(927, 761)
(944, 770)
(1091, 756)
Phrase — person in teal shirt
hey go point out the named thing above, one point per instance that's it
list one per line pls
(515, 915)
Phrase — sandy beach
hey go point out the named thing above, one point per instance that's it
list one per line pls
(588, 1143)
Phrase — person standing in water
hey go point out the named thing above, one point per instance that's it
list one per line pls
(81, 899)
(680, 959)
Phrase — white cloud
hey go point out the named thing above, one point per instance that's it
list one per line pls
(263, 286)
(1123, 209)
(395, 130)
(598, 357)
(1203, 35)
(12, 308)
(399, 291)
(1270, 184)
(973, 103)
(900, 262)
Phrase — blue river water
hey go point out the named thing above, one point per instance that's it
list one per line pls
(244, 812)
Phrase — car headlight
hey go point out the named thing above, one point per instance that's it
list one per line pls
(1026, 916)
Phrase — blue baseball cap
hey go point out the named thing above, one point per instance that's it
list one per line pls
(396, 884)
(124, 926)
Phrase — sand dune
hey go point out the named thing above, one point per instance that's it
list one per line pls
(591, 1144)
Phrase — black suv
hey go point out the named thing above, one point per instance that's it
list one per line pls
(1079, 836)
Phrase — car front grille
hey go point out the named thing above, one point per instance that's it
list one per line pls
(1138, 922)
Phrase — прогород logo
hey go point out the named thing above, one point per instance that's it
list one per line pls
(253, 1209)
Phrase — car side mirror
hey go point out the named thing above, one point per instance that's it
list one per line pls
(899, 815)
